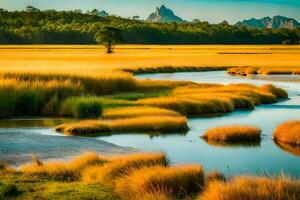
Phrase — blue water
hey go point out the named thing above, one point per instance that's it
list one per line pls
(265, 157)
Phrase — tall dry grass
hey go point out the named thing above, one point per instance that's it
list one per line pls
(161, 124)
(137, 111)
(97, 84)
(120, 166)
(19, 97)
(253, 188)
(233, 134)
(206, 99)
(68, 106)
(63, 171)
(246, 71)
(288, 132)
(177, 182)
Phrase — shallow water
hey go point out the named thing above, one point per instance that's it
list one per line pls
(18, 143)
(265, 157)
(23, 138)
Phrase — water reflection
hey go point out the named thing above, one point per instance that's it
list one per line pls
(254, 144)
(292, 149)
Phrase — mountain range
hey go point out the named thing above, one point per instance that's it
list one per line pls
(166, 15)
(271, 23)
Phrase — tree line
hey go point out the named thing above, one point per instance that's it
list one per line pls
(33, 26)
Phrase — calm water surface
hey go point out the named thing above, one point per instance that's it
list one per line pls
(266, 157)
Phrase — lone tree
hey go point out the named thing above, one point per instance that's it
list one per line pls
(109, 37)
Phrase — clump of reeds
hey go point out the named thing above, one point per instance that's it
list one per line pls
(288, 133)
(119, 166)
(278, 92)
(214, 176)
(161, 124)
(64, 171)
(105, 83)
(253, 188)
(87, 108)
(68, 106)
(137, 111)
(177, 182)
(228, 134)
(28, 98)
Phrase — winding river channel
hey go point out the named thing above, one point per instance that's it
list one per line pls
(21, 138)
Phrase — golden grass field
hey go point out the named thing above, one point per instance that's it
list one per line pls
(91, 59)
(143, 176)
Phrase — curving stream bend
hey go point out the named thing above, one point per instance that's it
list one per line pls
(18, 142)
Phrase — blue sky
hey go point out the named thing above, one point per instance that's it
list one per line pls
(206, 10)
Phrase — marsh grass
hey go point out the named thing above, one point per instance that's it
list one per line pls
(62, 171)
(137, 111)
(229, 134)
(177, 182)
(120, 166)
(292, 149)
(206, 99)
(68, 106)
(97, 84)
(253, 188)
(8, 191)
(161, 124)
(214, 176)
(28, 98)
(246, 71)
(288, 133)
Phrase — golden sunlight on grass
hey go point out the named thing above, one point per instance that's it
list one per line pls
(174, 181)
(119, 166)
(100, 83)
(247, 71)
(141, 176)
(232, 134)
(288, 133)
(137, 111)
(92, 59)
(253, 188)
(65, 171)
(135, 125)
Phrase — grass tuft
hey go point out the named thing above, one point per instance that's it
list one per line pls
(160, 124)
(228, 134)
(137, 111)
(288, 133)
(62, 171)
(253, 188)
(120, 166)
(177, 182)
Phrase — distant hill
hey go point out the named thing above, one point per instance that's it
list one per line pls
(275, 22)
(164, 15)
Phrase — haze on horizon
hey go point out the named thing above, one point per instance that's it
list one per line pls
(213, 11)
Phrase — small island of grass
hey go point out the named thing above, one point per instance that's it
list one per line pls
(288, 133)
(162, 124)
(232, 134)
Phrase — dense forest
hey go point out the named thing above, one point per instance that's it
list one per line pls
(33, 26)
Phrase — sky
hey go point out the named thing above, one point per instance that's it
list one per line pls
(213, 11)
